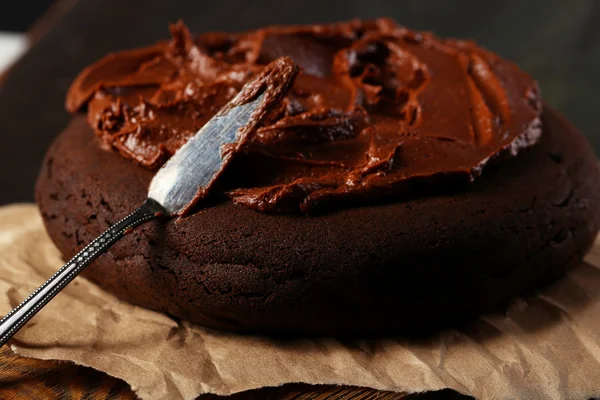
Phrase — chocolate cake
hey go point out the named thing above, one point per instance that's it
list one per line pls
(404, 183)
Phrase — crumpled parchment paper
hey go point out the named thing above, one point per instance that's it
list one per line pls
(545, 346)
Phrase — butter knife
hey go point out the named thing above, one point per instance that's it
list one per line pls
(185, 177)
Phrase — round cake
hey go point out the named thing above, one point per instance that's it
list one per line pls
(404, 183)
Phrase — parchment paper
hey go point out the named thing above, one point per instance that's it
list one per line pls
(545, 346)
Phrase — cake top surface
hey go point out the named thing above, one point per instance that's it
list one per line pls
(377, 111)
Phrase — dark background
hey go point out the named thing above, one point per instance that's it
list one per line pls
(557, 41)
(19, 17)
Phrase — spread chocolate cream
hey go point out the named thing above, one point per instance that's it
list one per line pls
(377, 111)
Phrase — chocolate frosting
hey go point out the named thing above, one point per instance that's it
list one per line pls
(377, 111)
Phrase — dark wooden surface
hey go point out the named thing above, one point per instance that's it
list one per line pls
(557, 41)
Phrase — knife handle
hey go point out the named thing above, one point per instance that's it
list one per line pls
(14, 320)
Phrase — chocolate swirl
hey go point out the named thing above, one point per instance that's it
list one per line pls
(376, 111)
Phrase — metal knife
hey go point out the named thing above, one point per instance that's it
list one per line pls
(188, 173)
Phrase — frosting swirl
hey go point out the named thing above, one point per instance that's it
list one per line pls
(377, 111)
